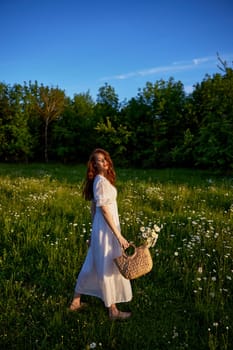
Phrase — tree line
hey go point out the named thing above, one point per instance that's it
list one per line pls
(161, 127)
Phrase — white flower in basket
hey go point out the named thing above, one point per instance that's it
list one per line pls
(150, 235)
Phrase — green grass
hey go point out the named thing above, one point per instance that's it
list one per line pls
(185, 302)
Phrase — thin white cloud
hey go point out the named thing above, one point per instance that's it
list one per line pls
(174, 67)
(198, 61)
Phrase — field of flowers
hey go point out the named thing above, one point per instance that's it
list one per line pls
(185, 302)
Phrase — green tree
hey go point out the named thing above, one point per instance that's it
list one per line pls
(136, 117)
(49, 104)
(111, 133)
(107, 101)
(35, 123)
(167, 101)
(114, 139)
(107, 104)
(15, 138)
(73, 133)
(156, 119)
(213, 101)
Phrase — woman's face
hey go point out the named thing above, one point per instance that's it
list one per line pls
(101, 163)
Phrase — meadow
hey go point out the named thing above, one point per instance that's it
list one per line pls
(185, 302)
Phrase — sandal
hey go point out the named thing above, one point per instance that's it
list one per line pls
(74, 307)
(120, 316)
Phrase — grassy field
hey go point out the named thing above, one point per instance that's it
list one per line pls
(185, 302)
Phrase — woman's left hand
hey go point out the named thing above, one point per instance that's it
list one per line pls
(123, 242)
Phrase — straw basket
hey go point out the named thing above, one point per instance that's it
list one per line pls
(135, 265)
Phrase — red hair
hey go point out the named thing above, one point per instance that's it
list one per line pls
(92, 172)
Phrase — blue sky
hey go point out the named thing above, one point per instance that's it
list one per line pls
(81, 45)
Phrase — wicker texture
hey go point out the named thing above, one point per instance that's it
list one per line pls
(135, 265)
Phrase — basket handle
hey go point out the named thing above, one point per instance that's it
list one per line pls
(124, 250)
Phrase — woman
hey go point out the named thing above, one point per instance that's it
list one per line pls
(99, 275)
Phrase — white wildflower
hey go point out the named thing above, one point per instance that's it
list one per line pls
(157, 228)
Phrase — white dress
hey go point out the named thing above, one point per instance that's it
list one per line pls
(99, 275)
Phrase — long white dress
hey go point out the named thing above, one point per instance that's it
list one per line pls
(99, 275)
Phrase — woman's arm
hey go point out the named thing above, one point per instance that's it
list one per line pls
(108, 218)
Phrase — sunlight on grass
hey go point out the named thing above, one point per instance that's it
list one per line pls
(184, 303)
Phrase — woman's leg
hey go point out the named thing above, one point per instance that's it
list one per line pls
(76, 302)
(114, 313)
(113, 310)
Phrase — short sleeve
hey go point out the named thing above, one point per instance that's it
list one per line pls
(101, 192)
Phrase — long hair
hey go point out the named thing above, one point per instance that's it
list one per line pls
(92, 172)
